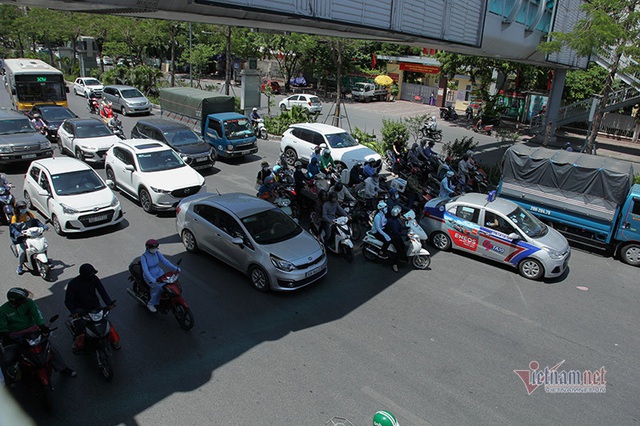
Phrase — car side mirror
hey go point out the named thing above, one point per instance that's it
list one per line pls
(110, 183)
(129, 167)
(43, 193)
(238, 241)
(514, 236)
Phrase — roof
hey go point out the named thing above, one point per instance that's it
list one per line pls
(242, 205)
(58, 165)
(144, 145)
(6, 114)
(162, 124)
(320, 127)
(229, 115)
(120, 86)
(499, 205)
(84, 120)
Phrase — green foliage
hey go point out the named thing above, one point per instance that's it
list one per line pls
(414, 124)
(394, 90)
(393, 130)
(145, 78)
(636, 178)
(278, 124)
(369, 140)
(506, 135)
(493, 174)
(582, 84)
(456, 149)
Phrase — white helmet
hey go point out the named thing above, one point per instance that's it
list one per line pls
(395, 211)
(255, 109)
(382, 205)
(326, 151)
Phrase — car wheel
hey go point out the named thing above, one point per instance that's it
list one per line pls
(340, 166)
(110, 175)
(27, 199)
(259, 279)
(283, 108)
(290, 156)
(56, 225)
(145, 200)
(189, 241)
(531, 269)
(630, 254)
(79, 154)
(441, 241)
(123, 111)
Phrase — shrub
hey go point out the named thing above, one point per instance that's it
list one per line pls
(393, 130)
(457, 148)
(369, 140)
(414, 124)
(278, 124)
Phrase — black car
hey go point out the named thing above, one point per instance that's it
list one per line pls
(193, 150)
(52, 116)
(19, 139)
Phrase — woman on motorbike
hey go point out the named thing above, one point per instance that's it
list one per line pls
(22, 216)
(151, 270)
(326, 161)
(397, 231)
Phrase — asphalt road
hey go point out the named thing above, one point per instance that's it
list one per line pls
(435, 347)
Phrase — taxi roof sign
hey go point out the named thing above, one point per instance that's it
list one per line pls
(492, 196)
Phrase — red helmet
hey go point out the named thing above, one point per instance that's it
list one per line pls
(415, 170)
(151, 244)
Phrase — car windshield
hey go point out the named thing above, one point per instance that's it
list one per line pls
(94, 129)
(131, 93)
(341, 140)
(92, 82)
(238, 128)
(528, 223)
(159, 160)
(358, 87)
(182, 137)
(271, 226)
(19, 125)
(78, 182)
(57, 113)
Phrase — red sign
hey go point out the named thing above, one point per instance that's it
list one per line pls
(425, 69)
(464, 241)
(394, 76)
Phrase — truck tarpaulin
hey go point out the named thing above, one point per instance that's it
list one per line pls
(582, 183)
(193, 103)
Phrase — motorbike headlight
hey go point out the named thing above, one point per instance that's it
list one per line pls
(114, 202)
(6, 149)
(46, 246)
(160, 191)
(281, 264)
(554, 254)
(45, 145)
(67, 209)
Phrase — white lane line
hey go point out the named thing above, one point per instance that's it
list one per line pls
(496, 308)
(397, 410)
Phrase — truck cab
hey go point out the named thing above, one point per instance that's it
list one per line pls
(230, 134)
(628, 230)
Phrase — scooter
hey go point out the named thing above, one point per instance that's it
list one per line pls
(341, 242)
(93, 105)
(36, 247)
(8, 203)
(34, 367)
(448, 113)
(480, 128)
(171, 299)
(106, 112)
(116, 126)
(95, 337)
(420, 257)
(260, 129)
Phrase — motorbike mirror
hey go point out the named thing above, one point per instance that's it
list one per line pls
(514, 236)
(110, 184)
(54, 318)
(179, 262)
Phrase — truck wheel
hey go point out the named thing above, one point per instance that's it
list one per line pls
(531, 269)
(291, 156)
(630, 254)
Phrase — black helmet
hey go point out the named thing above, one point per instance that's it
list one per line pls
(333, 196)
(17, 295)
(338, 186)
(151, 244)
(21, 205)
(87, 270)
(322, 195)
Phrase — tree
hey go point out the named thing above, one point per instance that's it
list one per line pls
(289, 51)
(610, 28)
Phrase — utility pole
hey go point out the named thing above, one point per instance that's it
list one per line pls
(227, 81)
(190, 57)
(336, 117)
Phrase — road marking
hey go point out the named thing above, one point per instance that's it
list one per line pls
(394, 408)
(496, 308)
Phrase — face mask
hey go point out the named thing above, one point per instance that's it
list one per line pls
(23, 211)
(396, 196)
(153, 250)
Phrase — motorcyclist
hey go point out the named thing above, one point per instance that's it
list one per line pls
(22, 218)
(377, 228)
(314, 167)
(393, 200)
(397, 231)
(37, 122)
(81, 297)
(107, 109)
(413, 156)
(469, 112)
(355, 175)
(330, 211)
(299, 181)
(413, 190)
(254, 116)
(317, 153)
(151, 260)
(19, 315)
(371, 190)
(369, 168)
(446, 186)
(92, 101)
(464, 168)
(265, 171)
(326, 161)
(267, 189)
(342, 192)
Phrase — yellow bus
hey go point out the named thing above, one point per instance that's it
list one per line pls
(32, 81)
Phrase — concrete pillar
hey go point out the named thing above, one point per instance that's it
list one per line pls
(553, 105)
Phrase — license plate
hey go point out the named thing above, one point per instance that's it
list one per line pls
(97, 218)
(29, 156)
(313, 272)
(245, 152)
(201, 159)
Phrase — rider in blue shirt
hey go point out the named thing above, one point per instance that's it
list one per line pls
(151, 271)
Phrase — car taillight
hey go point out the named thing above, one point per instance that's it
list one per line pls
(309, 102)
(178, 210)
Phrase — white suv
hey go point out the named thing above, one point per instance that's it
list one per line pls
(299, 140)
(152, 173)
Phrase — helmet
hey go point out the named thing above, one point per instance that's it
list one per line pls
(264, 164)
(322, 195)
(414, 146)
(269, 179)
(17, 295)
(415, 170)
(255, 109)
(423, 142)
(432, 143)
(372, 160)
(326, 151)
(314, 159)
(333, 196)
(276, 168)
(382, 205)
(450, 173)
(87, 270)
(395, 211)
(469, 153)
(297, 164)
(338, 186)
(384, 418)
(318, 148)
(151, 244)
(36, 115)
(392, 191)
(21, 205)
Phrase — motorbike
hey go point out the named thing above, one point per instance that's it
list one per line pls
(34, 366)
(429, 130)
(481, 128)
(116, 126)
(7, 202)
(171, 299)
(36, 247)
(106, 112)
(93, 105)
(419, 256)
(341, 242)
(260, 130)
(285, 198)
(468, 113)
(448, 113)
(414, 227)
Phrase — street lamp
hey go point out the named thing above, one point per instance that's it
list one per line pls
(190, 53)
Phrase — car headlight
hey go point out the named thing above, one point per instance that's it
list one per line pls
(160, 191)
(281, 264)
(45, 145)
(554, 254)
(5, 149)
(67, 209)
(229, 147)
(88, 148)
(114, 202)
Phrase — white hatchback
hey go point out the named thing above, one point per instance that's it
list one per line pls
(83, 85)
(71, 195)
(88, 139)
(309, 102)
(152, 173)
(299, 140)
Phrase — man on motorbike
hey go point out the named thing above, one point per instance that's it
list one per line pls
(393, 200)
(326, 161)
(317, 153)
(377, 228)
(413, 190)
(369, 168)
(92, 102)
(371, 190)
(267, 189)
(330, 211)
(18, 315)
(151, 260)
(21, 219)
(254, 117)
(464, 168)
(446, 186)
(263, 173)
(413, 157)
(299, 181)
(342, 192)
(314, 167)
(81, 297)
(397, 231)
(37, 122)
(356, 176)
